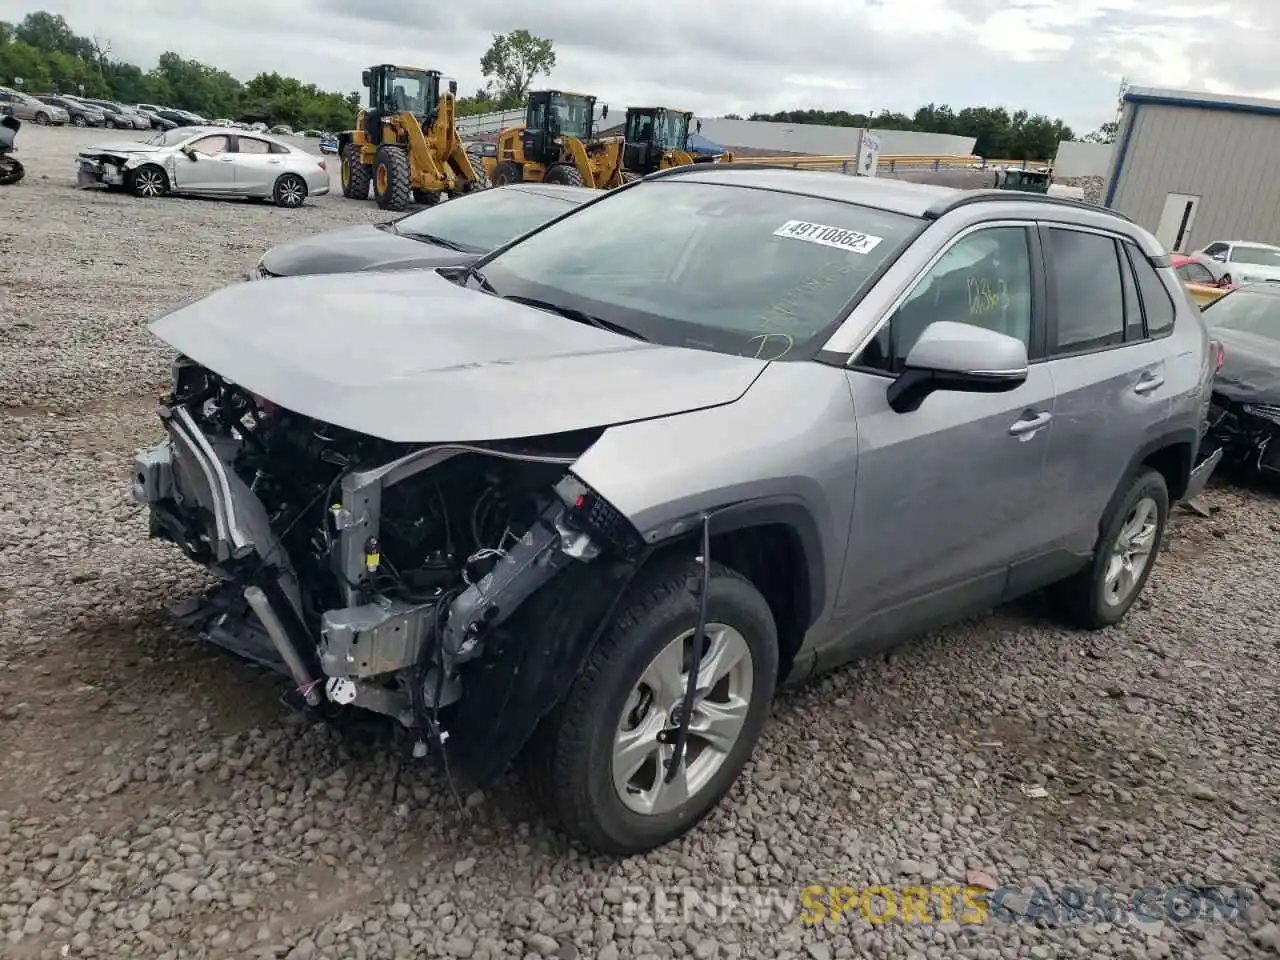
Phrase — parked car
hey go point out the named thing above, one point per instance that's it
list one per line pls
(1245, 261)
(282, 130)
(180, 118)
(82, 114)
(328, 143)
(1245, 416)
(449, 234)
(206, 161)
(797, 415)
(1201, 281)
(119, 117)
(151, 112)
(25, 107)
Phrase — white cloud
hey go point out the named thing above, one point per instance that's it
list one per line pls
(1061, 57)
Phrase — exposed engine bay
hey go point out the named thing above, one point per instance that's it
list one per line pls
(1249, 433)
(373, 573)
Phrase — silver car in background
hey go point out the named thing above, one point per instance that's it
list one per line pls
(206, 161)
(24, 107)
(117, 115)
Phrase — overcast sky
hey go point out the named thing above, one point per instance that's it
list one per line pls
(1060, 57)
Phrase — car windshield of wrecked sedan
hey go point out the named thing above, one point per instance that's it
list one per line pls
(750, 272)
(481, 221)
(1247, 311)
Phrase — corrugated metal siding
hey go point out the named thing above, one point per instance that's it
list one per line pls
(1228, 160)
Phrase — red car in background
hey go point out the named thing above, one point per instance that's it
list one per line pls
(1203, 279)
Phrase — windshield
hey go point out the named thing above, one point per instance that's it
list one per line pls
(484, 220)
(573, 116)
(744, 271)
(1261, 256)
(167, 138)
(673, 130)
(408, 94)
(1246, 311)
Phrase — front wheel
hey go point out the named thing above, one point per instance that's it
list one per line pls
(150, 181)
(290, 191)
(507, 172)
(77, 121)
(391, 178)
(356, 175)
(42, 118)
(109, 123)
(563, 173)
(1102, 593)
(599, 764)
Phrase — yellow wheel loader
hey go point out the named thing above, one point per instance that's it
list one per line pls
(405, 143)
(555, 144)
(656, 138)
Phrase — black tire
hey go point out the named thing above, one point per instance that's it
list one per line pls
(109, 123)
(290, 191)
(570, 758)
(508, 171)
(427, 198)
(356, 176)
(11, 171)
(564, 173)
(392, 188)
(77, 120)
(150, 181)
(1082, 599)
(42, 118)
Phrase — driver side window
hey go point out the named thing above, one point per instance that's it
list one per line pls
(211, 146)
(984, 279)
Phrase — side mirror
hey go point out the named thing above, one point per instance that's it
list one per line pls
(1220, 257)
(366, 78)
(604, 111)
(190, 153)
(699, 126)
(960, 357)
(453, 87)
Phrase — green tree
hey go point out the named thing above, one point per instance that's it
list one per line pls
(1104, 134)
(512, 62)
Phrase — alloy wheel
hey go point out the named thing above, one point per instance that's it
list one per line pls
(644, 743)
(149, 183)
(1131, 552)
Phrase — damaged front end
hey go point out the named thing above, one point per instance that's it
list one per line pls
(445, 585)
(1248, 433)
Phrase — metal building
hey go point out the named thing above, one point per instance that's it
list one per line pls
(1193, 167)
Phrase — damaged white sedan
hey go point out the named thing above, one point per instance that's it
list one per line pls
(206, 161)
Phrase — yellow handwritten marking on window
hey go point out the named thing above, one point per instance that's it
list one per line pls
(773, 346)
(985, 296)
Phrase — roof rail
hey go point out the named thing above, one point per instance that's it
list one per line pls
(990, 194)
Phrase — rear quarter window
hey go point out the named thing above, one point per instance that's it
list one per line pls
(1157, 305)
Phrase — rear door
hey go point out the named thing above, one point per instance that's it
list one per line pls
(256, 165)
(1110, 377)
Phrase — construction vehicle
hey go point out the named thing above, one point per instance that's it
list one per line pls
(405, 142)
(556, 144)
(656, 138)
(1028, 181)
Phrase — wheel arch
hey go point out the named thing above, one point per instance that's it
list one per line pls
(1170, 454)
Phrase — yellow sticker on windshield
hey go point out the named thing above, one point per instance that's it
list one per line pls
(828, 236)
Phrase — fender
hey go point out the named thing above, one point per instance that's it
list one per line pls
(534, 658)
(1188, 436)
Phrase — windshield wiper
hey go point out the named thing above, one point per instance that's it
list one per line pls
(431, 238)
(578, 316)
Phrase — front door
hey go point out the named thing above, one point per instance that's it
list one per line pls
(1179, 213)
(947, 494)
(212, 171)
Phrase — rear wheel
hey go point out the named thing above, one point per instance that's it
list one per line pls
(356, 176)
(42, 117)
(1102, 593)
(597, 764)
(109, 123)
(391, 186)
(564, 173)
(77, 120)
(507, 172)
(428, 198)
(150, 181)
(290, 191)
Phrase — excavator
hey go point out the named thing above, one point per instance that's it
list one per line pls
(556, 144)
(405, 142)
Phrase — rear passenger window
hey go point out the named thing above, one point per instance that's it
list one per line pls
(1157, 306)
(1088, 291)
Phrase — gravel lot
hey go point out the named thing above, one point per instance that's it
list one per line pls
(156, 800)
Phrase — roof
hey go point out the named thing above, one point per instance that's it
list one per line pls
(896, 196)
(1201, 100)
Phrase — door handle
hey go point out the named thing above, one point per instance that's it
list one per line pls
(1148, 382)
(227, 159)
(1029, 425)
(276, 162)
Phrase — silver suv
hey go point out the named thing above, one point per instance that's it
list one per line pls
(796, 415)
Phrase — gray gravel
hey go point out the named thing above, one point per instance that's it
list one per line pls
(156, 801)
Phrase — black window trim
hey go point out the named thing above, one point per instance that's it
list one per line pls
(1035, 260)
(1132, 251)
(1052, 312)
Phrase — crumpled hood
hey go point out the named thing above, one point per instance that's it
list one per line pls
(121, 147)
(414, 358)
(1250, 367)
(357, 248)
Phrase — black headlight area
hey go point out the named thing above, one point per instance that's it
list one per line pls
(596, 516)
